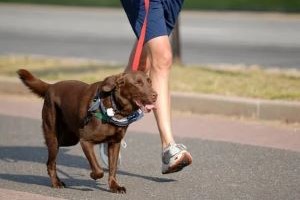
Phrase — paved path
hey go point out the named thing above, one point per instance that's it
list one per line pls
(221, 170)
(185, 125)
(105, 34)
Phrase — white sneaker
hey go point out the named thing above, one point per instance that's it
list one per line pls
(174, 158)
(103, 147)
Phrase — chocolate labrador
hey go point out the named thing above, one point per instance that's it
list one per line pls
(75, 111)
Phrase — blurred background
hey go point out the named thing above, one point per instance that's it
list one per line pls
(247, 36)
(207, 37)
(249, 5)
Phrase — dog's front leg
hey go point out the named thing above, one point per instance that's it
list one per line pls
(88, 149)
(113, 154)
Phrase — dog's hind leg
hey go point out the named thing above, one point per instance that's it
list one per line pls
(49, 128)
(88, 149)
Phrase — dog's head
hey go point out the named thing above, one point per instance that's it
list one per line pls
(133, 90)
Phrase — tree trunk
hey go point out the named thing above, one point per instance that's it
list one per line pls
(176, 46)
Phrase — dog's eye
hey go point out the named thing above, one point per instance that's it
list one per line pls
(139, 82)
(149, 81)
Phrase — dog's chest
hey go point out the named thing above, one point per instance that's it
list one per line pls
(98, 132)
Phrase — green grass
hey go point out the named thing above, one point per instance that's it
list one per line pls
(252, 5)
(235, 81)
(57, 69)
(254, 83)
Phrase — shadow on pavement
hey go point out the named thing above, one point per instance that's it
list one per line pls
(45, 181)
(39, 155)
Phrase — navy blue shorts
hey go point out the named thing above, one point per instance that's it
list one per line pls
(162, 16)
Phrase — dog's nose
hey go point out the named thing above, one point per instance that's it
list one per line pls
(154, 96)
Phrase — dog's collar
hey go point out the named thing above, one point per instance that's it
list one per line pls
(98, 109)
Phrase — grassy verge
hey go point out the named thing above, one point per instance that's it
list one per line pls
(239, 81)
(254, 5)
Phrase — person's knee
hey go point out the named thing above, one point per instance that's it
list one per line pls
(160, 52)
(163, 61)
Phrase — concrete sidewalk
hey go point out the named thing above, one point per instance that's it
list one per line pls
(186, 125)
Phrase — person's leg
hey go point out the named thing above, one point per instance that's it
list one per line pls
(157, 59)
(160, 54)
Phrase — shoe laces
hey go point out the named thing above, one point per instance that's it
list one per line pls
(172, 150)
(181, 146)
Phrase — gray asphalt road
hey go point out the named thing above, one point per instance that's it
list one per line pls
(264, 39)
(220, 170)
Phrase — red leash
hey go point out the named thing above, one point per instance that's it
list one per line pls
(140, 44)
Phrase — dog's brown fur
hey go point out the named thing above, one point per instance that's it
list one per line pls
(65, 107)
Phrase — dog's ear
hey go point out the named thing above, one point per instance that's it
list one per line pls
(108, 84)
(113, 82)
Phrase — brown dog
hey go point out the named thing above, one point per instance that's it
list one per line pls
(71, 114)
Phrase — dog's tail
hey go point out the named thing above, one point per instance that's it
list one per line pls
(36, 85)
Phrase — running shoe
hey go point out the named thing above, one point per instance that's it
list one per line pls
(174, 158)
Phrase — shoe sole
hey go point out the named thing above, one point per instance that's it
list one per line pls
(185, 160)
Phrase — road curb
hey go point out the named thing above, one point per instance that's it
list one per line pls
(206, 104)
(235, 106)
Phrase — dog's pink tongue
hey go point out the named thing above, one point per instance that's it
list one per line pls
(146, 108)
(149, 107)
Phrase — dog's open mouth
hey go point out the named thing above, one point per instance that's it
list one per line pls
(145, 107)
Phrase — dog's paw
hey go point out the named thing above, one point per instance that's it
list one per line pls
(59, 185)
(96, 175)
(115, 187)
(118, 189)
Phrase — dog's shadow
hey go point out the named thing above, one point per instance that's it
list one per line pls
(39, 155)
